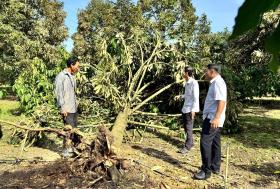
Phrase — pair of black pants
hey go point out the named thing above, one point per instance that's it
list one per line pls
(71, 119)
(210, 147)
(188, 127)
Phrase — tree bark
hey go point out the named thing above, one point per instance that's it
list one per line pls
(119, 127)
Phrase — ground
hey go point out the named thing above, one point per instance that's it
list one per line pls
(254, 158)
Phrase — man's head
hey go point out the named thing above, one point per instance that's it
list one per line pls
(212, 71)
(187, 73)
(73, 64)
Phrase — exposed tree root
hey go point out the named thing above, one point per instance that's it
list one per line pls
(95, 159)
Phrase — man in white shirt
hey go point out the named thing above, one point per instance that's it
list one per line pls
(190, 107)
(214, 117)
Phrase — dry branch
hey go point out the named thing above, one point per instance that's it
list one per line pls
(156, 114)
(47, 129)
(147, 125)
(155, 126)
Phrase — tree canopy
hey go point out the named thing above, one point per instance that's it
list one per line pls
(29, 30)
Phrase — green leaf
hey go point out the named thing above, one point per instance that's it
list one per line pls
(250, 14)
(272, 45)
(274, 64)
(1, 94)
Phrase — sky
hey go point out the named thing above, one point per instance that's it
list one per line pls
(221, 13)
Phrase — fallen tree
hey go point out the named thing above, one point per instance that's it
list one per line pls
(94, 157)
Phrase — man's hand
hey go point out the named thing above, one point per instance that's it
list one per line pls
(193, 115)
(178, 97)
(64, 114)
(215, 123)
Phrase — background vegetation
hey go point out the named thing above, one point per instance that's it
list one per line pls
(132, 57)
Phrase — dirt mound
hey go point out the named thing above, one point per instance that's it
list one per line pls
(60, 174)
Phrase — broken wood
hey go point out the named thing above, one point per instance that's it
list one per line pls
(95, 158)
(95, 181)
(156, 126)
(47, 129)
(147, 125)
(156, 114)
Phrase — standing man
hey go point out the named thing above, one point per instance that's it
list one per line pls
(214, 117)
(65, 87)
(190, 107)
(65, 92)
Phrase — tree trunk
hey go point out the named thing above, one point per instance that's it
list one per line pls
(119, 127)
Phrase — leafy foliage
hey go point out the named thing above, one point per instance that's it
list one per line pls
(246, 22)
(249, 61)
(29, 30)
(34, 85)
(114, 47)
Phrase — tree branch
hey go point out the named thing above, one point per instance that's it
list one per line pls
(156, 114)
(152, 96)
(139, 71)
(147, 125)
(140, 90)
(47, 129)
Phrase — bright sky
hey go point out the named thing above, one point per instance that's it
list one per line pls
(221, 13)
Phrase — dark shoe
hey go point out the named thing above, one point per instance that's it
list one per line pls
(216, 172)
(201, 175)
(184, 150)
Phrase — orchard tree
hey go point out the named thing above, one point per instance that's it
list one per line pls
(267, 13)
(250, 59)
(29, 30)
(126, 71)
(134, 52)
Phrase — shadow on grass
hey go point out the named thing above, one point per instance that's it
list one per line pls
(163, 156)
(266, 169)
(167, 137)
(175, 141)
(267, 103)
(259, 132)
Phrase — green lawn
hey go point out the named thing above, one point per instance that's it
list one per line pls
(6, 109)
(261, 127)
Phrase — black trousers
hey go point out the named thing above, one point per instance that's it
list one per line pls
(71, 119)
(188, 126)
(210, 147)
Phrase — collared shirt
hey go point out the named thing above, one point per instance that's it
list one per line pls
(191, 96)
(65, 87)
(217, 91)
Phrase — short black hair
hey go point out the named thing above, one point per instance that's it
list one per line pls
(215, 67)
(72, 61)
(189, 70)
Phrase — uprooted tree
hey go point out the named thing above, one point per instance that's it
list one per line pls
(135, 52)
(123, 78)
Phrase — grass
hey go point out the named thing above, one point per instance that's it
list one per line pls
(261, 127)
(6, 109)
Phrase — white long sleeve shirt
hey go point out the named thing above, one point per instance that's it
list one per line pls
(191, 96)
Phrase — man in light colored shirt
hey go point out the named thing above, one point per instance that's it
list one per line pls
(190, 107)
(65, 92)
(214, 117)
